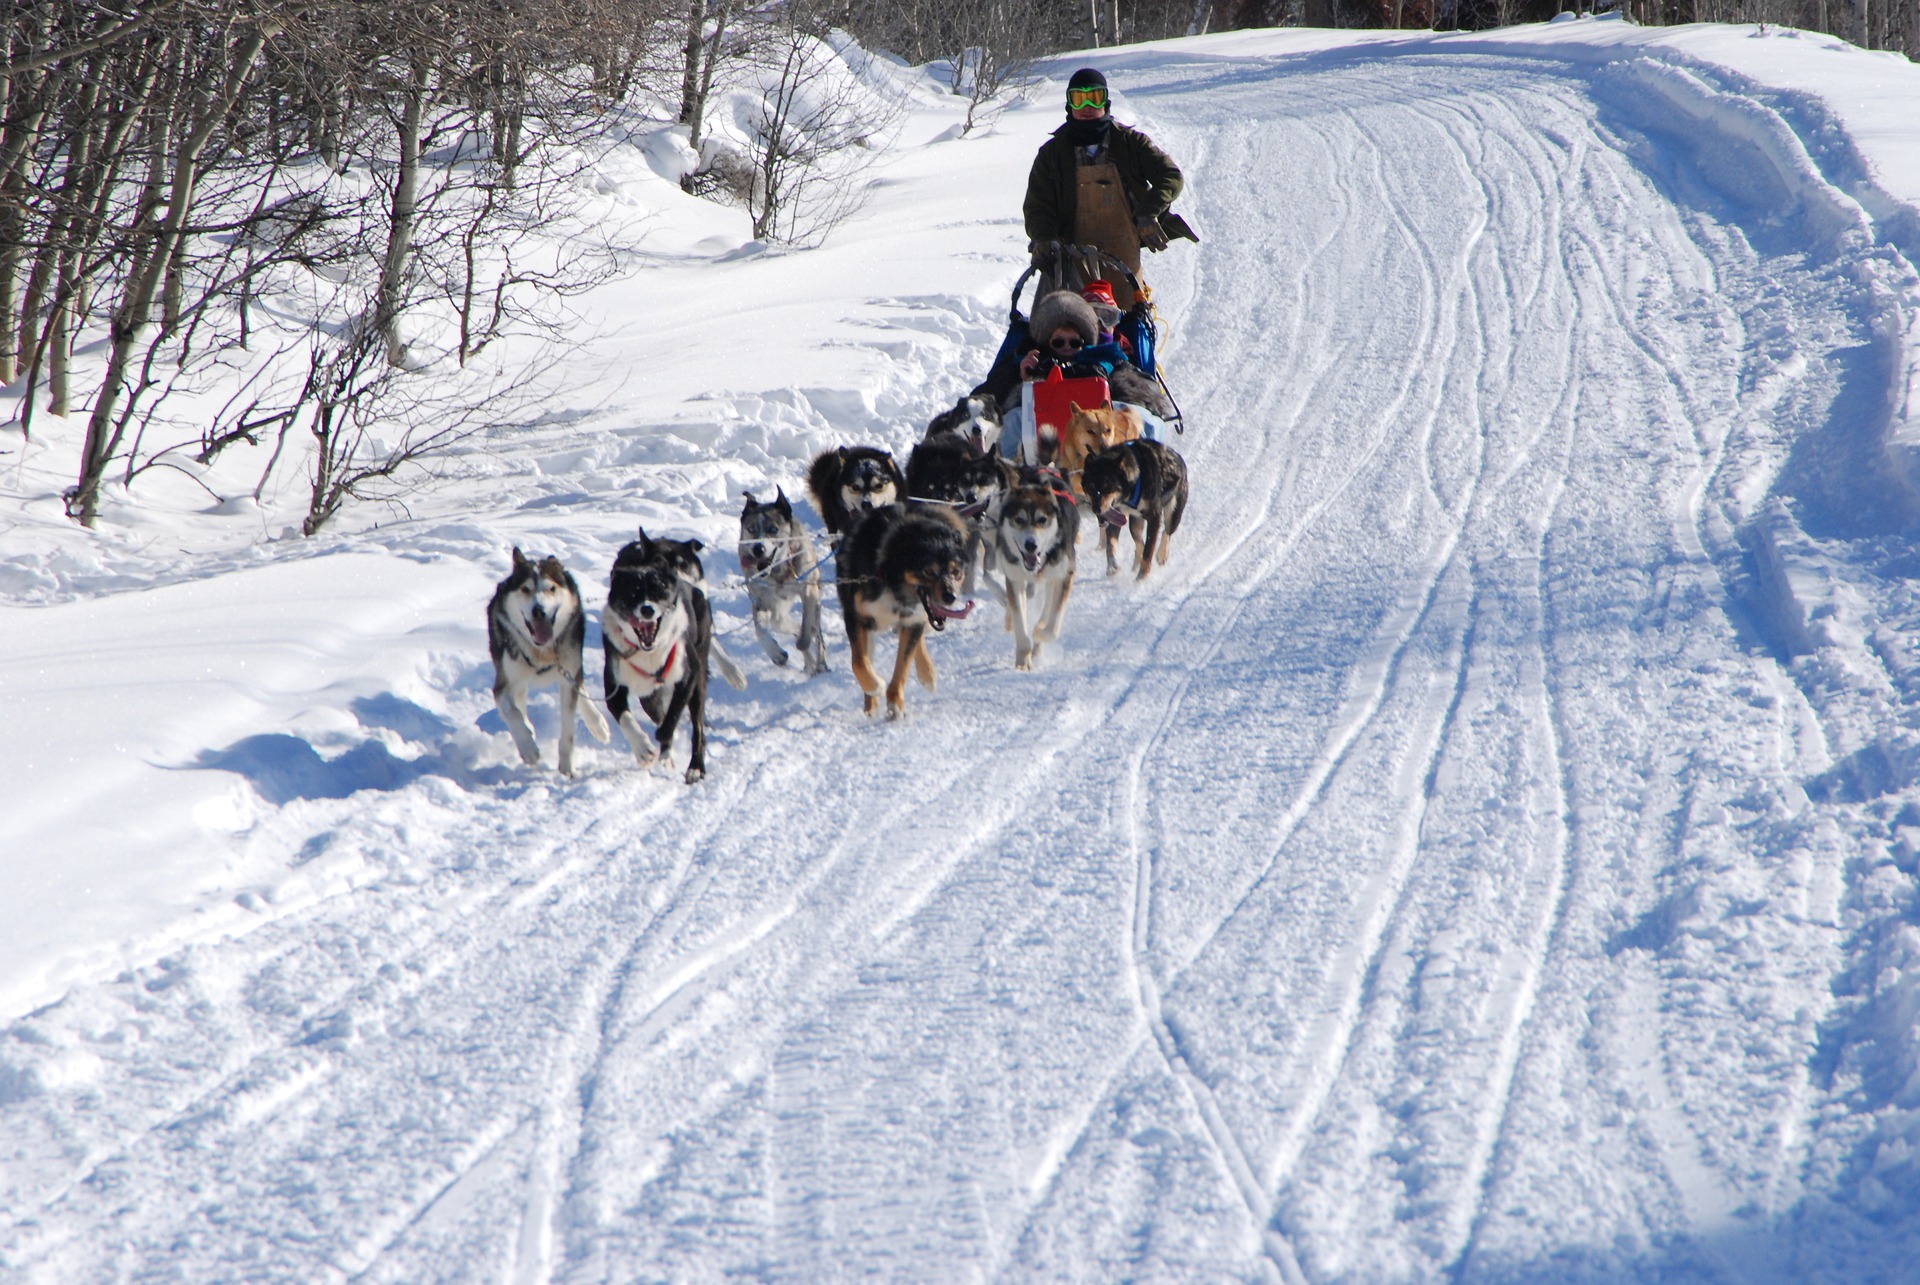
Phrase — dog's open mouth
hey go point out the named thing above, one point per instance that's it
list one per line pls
(973, 510)
(1031, 559)
(1115, 516)
(540, 629)
(938, 615)
(645, 631)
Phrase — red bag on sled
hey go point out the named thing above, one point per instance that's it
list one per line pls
(1049, 403)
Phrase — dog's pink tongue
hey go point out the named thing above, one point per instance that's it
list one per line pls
(1114, 517)
(541, 629)
(948, 613)
(644, 630)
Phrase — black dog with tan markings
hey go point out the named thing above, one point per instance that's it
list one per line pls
(900, 569)
(848, 481)
(946, 470)
(1142, 486)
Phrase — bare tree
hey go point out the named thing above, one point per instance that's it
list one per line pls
(999, 43)
(816, 128)
(159, 165)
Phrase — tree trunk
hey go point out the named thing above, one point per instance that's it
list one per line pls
(153, 247)
(406, 192)
(698, 120)
(692, 95)
(17, 322)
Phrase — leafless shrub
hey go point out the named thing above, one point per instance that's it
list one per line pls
(815, 128)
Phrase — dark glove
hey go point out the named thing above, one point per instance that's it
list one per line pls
(1151, 237)
(1040, 254)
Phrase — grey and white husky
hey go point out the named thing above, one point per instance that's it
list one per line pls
(1034, 539)
(536, 634)
(777, 558)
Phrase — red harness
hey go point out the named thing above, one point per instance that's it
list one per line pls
(658, 678)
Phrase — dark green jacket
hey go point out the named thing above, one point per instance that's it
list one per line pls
(1149, 175)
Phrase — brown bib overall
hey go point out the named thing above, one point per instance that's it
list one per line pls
(1102, 217)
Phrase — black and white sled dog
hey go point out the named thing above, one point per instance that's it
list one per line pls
(945, 470)
(777, 558)
(973, 420)
(682, 557)
(536, 634)
(1035, 537)
(900, 568)
(850, 480)
(1142, 486)
(657, 631)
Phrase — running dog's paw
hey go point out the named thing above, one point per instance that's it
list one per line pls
(870, 705)
(816, 665)
(695, 775)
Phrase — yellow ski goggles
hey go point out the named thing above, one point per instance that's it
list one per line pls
(1079, 98)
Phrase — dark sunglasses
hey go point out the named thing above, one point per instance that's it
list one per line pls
(1072, 343)
(1078, 98)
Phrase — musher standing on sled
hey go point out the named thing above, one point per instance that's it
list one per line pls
(1098, 182)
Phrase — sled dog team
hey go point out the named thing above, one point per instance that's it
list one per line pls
(909, 550)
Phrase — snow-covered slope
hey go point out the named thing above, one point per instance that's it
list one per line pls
(1487, 851)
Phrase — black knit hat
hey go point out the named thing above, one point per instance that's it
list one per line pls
(1087, 78)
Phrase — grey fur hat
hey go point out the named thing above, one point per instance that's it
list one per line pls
(1064, 308)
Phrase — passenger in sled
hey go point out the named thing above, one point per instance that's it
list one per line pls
(1064, 357)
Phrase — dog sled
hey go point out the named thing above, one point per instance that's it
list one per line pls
(1046, 405)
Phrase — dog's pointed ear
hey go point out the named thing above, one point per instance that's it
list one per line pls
(696, 546)
(643, 539)
(750, 500)
(780, 500)
(520, 562)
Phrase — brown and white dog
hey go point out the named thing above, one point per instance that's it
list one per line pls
(1089, 432)
(900, 569)
(1034, 540)
(536, 634)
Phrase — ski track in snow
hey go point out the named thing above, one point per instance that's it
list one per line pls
(1370, 895)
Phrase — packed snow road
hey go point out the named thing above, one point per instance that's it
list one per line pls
(1315, 913)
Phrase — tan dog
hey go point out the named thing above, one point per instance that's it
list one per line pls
(1088, 433)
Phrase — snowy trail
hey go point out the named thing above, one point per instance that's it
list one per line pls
(1316, 913)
